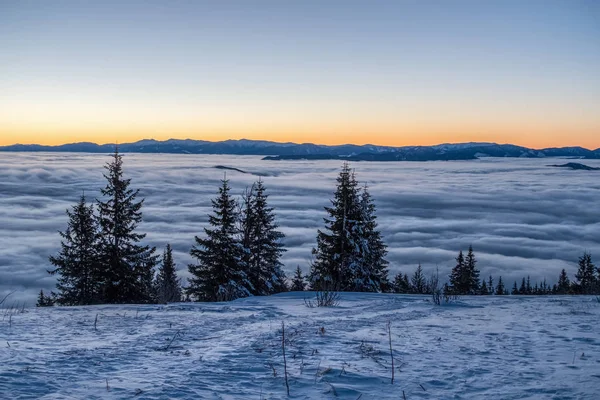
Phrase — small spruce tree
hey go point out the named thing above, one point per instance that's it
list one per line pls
(471, 279)
(401, 284)
(298, 284)
(44, 301)
(418, 282)
(564, 284)
(586, 275)
(483, 290)
(515, 289)
(167, 284)
(500, 289)
(458, 284)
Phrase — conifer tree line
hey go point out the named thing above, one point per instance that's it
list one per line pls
(464, 280)
(102, 258)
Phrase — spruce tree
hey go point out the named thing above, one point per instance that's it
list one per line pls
(500, 287)
(127, 267)
(523, 287)
(515, 290)
(586, 275)
(418, 282)
(483, 290)
(262, 243)
(44, 301)
(564, 284)
(335, 252)
(219, 274)
(471, 279)
(490, 285)
(167, 284)
(528, 288)
(458, 283)
(368, 272)
(298, 284)
(401, 284)
(76, 264)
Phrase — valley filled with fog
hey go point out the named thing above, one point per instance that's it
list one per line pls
(521, 216)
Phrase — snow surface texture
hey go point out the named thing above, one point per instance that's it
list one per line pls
(521, 216)
(478, 348)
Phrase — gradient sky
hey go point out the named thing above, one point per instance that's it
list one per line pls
(386, 72)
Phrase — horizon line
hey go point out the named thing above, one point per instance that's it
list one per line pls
(296, 143)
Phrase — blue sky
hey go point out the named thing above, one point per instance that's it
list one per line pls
(391, 72)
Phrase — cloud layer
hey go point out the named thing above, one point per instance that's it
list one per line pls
(521, 216)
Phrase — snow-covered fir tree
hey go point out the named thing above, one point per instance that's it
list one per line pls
(167, 284)
(262, 243)
(298, 283)
(368, 270)
(77, 263)
(350, 253)
(336, 249)
(127, 267)
(219, 274)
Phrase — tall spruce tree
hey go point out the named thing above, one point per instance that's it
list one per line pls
(167, 284)
(500, 290)
(335, 253)
(77, 263)
(298, 284)
(350, 253)
(262, 243)
(219, 274)
(490, 285)
(127, 267)
(418, 282)
(586, 275)
(369, 269)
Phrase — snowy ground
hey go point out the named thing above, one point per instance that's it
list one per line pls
(480, 347)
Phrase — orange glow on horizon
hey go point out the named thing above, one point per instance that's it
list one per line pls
(326, 136)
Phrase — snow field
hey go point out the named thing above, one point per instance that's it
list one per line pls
(497, 347)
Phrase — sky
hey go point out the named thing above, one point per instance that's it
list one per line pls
(402, 72)
(521, 216)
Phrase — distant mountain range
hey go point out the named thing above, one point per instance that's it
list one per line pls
(304, 151)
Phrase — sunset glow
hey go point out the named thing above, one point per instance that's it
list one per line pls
(388, 73)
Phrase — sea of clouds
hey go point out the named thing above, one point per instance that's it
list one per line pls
(521, 216)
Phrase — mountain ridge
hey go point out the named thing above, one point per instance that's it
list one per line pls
(296, 151)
